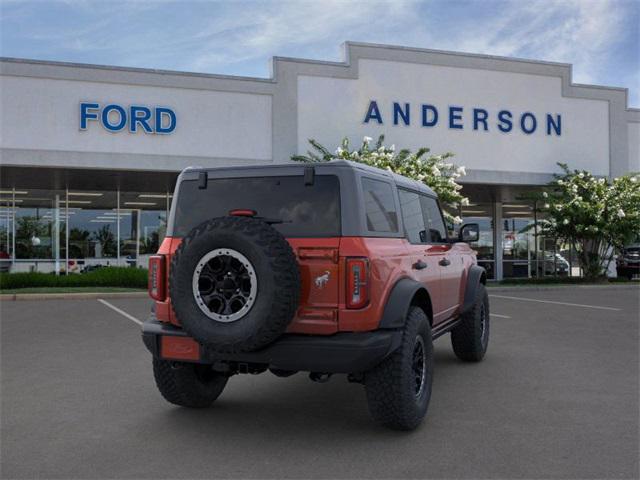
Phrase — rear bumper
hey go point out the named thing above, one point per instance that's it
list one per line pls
(339, 353)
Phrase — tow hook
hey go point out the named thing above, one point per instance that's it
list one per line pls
(319, 377)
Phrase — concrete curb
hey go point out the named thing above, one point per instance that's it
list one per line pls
(534, 288)
(71, 296)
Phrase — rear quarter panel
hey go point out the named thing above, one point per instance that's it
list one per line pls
(389, 261)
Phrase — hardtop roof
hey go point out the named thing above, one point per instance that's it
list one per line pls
(399, 180)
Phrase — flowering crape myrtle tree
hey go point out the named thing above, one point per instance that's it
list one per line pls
(592, 214)
(433, 170)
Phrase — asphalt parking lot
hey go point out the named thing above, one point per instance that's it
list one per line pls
(556, 397)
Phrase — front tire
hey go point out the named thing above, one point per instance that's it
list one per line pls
(399, 389)
(470, 338)
(188, 384)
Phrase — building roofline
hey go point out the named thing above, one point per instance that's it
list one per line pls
(26, 61)
(346, 62)
(452, 52)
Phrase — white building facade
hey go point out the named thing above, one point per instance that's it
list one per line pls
(89, 154)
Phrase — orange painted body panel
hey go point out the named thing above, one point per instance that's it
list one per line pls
(392, 259)
(318, 258)
(322, 263)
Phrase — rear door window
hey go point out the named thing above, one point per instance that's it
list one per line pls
(304, 210)
(437, 232)
(412, 217)
(380, 207)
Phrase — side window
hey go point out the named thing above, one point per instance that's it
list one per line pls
(412, 217)
(380, 208)
(433, 219)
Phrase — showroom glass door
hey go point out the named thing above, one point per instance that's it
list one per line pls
(483, 215)
(6, 230)
(519, 248)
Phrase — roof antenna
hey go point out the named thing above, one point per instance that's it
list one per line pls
(309, 175)
(202, 180)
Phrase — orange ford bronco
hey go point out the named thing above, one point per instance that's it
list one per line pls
(325, 268)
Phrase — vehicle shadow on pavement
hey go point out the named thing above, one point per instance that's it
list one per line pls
(291, 406)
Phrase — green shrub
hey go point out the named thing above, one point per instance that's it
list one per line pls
(102, 277)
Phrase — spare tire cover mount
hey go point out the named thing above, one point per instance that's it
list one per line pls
(225, 285)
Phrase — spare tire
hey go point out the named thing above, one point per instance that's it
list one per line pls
(234, 284)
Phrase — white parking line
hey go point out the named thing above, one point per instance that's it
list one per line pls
(121, 312)
(500, 316)
(557, 303)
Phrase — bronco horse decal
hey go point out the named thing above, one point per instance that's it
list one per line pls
(323, 279)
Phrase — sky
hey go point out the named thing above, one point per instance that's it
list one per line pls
(601, 38)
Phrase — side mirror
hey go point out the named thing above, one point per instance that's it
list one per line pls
(469, 232)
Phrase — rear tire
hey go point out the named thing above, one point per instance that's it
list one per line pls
(188, 384)
(399, 388)
(470, 338)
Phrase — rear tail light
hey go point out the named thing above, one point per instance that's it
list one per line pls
(357, 282)
(157, 289)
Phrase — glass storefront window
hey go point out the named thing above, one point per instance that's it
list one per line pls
(107, 228)
(128, 236)
(76, 231)
(483, 215)
(518, 240)
(6, 230)
(38, 227)
(92, 229)
(153, 228)
(554, 258)
(143, 225)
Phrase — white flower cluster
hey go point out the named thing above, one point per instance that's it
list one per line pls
(435, 171)
(594, 214)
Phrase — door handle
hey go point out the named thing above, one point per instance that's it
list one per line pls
(444, 262)
(419, 265)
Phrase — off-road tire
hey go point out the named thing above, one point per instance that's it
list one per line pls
(469, 339)
(278, 280)
(188, 384)
(391, 386)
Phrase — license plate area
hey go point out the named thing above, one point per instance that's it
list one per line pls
(179, 348)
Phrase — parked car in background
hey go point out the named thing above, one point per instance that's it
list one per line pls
(628, 262)
(5, 261)
(90, 268)
(553, 264)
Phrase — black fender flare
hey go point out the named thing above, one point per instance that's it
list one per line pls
(477, 275)
(399, 301)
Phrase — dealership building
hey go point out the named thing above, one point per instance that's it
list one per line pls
(89, 154)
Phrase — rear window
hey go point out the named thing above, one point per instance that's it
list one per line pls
(305, 210)
(380, 208)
